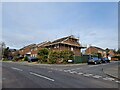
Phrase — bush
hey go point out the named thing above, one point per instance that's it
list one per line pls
(60, 56)
(67, 55)
(25, 58)
(54, 57)
(43, 55)
(5, 59)
(116, 57)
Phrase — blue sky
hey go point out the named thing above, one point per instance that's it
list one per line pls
(35, 22)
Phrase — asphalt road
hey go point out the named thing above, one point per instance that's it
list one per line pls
(17, 75)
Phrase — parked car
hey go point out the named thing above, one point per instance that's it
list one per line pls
(105, 60)
(32, 59)
(94, 60)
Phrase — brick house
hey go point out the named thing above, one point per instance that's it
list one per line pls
(26, 50)
(66, 43)
(94, 50)
(35, 50)
(111, 53)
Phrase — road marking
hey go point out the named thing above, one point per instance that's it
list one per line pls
(96, 76)
(117, 81)
(110, 79)
(65, 71)
(16, 69)
(105, 78)
(80, 73)
(42, 76)
(87, 75)
(73, 72)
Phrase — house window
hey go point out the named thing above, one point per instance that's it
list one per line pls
(35, 55)
(58, 46)
(35, 49)
(71, 48)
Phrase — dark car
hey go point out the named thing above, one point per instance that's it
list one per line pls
(32, 59)
(105, 60)
(94, 60)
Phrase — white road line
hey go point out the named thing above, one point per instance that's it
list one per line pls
(42, 76)
(110, 79)
(68, 70)
(73, 72)
(96, 76)
(16, 69)
(105, 79)
(65, 71)
(117, 81)
(87, 75)
(80, 73)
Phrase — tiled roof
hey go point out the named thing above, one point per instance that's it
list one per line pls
(97, 48)
(61, 41)
(64, 38)
(43, 43)
(31, 45)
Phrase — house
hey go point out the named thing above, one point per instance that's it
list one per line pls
(92, 50)
(66, 43)
(111, 53)
(35, 50)
(26, 50)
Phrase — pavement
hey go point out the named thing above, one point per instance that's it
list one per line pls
(112, 71)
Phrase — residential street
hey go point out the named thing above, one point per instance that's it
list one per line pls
(22, 75)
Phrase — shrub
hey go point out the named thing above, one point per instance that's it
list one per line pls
(67, 55)
(25, 58)
(60, 56)
(43, 55)
(5, 59)
(53, 57)
(116, 57)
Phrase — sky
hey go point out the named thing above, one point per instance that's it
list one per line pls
(95, 23)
